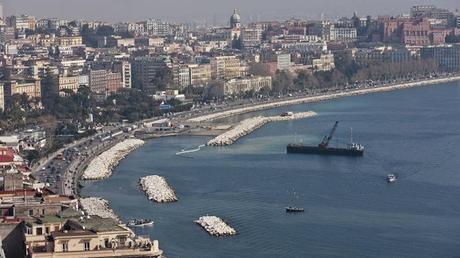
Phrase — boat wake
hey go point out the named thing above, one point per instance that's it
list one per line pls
(190, 151)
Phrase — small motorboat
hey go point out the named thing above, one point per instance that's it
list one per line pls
(294, 209)
(285, 114)
(140, 222)
(391, 178)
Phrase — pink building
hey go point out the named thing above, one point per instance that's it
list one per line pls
(416, 33)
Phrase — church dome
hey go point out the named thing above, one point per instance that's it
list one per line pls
(235, 19)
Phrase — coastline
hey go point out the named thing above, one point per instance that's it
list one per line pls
(102, 165)
(300, 100)
(334, 96)
(321, 97)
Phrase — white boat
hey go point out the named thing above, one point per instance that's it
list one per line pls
(140, 222)
(391, 178)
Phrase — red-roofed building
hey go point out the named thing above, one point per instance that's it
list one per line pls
(6, 156)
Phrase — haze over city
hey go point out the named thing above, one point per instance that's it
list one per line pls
(208, 10)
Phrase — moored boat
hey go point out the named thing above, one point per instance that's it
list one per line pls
(140, 222)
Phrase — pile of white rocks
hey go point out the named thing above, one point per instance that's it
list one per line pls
(97, 206)
(249, 125)
(215, 226)
(101, 166)
(157, 189)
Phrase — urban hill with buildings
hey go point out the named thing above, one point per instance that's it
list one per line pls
(172, 64)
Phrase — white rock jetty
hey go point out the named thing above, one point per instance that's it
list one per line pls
(215, 226)
(249, 125)
(97, 206)
(101, 166)
(157, 189)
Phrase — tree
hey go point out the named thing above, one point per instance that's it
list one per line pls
(89, 36)
(105, 30)
(282, 82)
(50, 90)
(452, 39)
(163, 79)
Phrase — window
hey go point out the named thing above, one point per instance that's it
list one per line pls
(87, 246)
(65, 246)
(29, 231)
(47, 230)
(31, 212)
(39, 231)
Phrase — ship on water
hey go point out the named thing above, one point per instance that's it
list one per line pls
(352, 149)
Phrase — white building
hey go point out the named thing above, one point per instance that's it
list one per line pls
(244, 85)
(252, 37)
(283, 61)
(2, 98)
(342, 33)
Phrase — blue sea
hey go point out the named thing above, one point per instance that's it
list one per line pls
(350, 210)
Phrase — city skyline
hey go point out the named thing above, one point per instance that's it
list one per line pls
(121, 10)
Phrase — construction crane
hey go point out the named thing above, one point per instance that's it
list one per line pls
(328, 138)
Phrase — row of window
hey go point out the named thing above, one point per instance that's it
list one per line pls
(86, 246)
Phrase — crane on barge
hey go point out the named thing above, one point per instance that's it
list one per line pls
(352, 149)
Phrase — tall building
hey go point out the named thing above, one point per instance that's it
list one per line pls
(124, 68)
(104, 82)
(2, 98)
(23, 22)
(251, 37)
(431, 11)
(283, 61)
(227, 67)
(146, 69)
(447, 57)
(200, 75)
(457, 18)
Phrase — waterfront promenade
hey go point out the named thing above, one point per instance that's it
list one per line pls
(320, 97)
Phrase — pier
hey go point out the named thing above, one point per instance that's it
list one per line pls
(101, 167)
(249, 125)
(215, 226)
(157, 189)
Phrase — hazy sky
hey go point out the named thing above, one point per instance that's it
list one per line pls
(209, 10)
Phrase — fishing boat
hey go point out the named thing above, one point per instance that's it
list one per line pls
(391, 178)
(294, 209)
